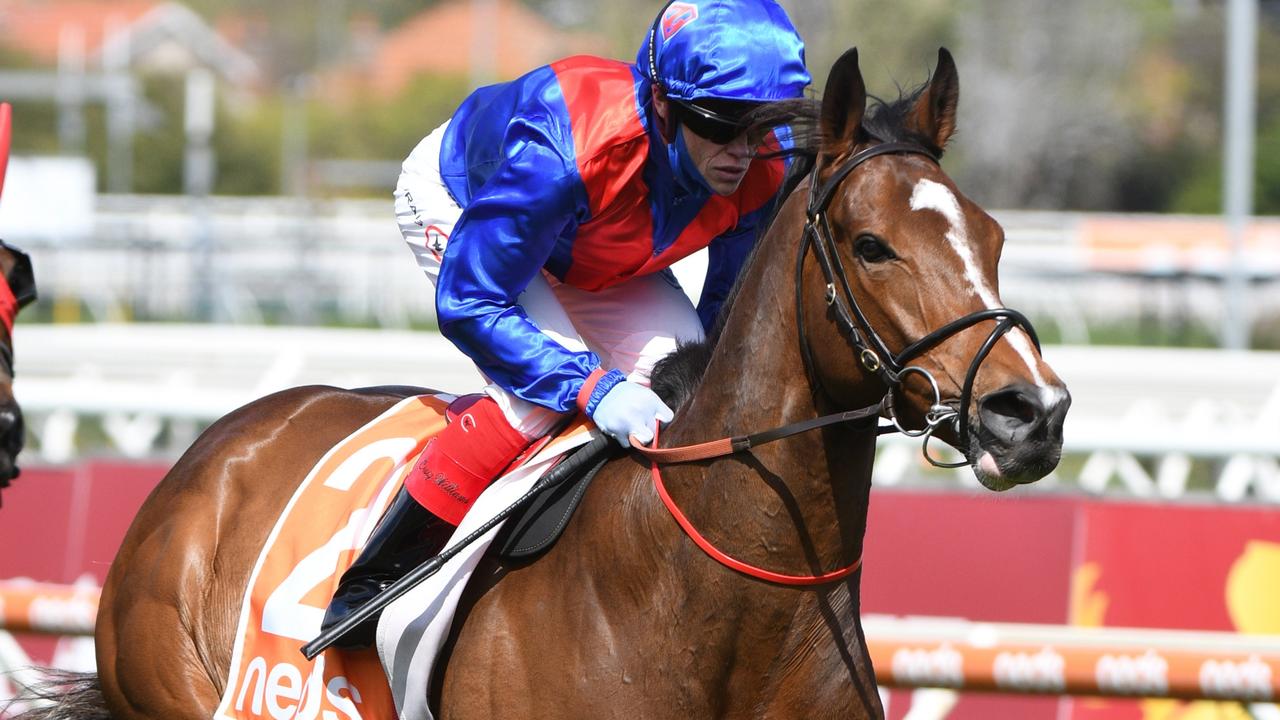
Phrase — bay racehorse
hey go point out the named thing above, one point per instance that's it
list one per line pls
(874, 262)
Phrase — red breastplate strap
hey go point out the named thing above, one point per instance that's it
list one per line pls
(734, 563)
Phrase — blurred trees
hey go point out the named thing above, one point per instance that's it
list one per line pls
(384, 129)
(1088, 105)
(250, 145)
(1049, 94)
(1085, 105)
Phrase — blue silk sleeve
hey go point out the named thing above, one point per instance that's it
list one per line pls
(504, 236)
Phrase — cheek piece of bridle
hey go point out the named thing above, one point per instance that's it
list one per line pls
(873, 354)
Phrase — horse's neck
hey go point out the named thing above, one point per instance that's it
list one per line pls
(797, 506)
(800, 502)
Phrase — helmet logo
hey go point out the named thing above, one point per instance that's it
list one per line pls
(677, 16)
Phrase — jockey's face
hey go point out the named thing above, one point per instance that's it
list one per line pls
(722, 166)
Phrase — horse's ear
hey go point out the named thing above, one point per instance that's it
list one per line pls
(843, 102)
(934, 114)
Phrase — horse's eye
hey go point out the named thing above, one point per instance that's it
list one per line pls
(872, 249)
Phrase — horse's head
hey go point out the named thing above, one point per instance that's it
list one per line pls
(17, 290)
(903, 267)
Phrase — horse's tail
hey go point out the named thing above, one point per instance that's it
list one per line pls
(61, 695)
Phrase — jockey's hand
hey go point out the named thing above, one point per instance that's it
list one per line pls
(630, 409)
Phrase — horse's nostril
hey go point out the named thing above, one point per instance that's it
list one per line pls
(1013, 403)
(1011, 414)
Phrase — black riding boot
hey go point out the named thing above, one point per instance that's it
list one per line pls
(406, 536)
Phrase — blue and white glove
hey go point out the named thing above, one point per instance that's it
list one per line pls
(630, 409)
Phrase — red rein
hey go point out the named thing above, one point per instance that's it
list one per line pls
(734, 563)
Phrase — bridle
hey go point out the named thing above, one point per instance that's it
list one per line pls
(873, 354)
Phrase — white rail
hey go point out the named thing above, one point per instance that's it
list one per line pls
(923, 652)
(1145, 421)
(1053, 659)
(162, 257)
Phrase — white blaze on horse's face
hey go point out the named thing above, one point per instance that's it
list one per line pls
(931, 195)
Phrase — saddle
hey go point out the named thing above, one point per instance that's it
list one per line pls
(535, 527)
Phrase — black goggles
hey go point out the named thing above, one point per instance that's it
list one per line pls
(720, 128)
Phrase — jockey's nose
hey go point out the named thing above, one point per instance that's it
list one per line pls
(739, 147)
(1021, 412)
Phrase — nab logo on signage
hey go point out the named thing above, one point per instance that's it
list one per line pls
(676, 17)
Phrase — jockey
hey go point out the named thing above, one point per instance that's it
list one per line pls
(547, 212)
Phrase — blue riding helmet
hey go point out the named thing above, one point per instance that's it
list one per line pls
(744, 50)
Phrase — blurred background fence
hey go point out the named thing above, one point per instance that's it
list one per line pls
(308, 261)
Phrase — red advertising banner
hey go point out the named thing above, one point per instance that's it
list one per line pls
(1087, 562)
(61, 524)
(1202, 567)
(976, 556)
(64, 525)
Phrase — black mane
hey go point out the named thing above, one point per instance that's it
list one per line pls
(884, 121)
(887, 121)
(677, 376)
